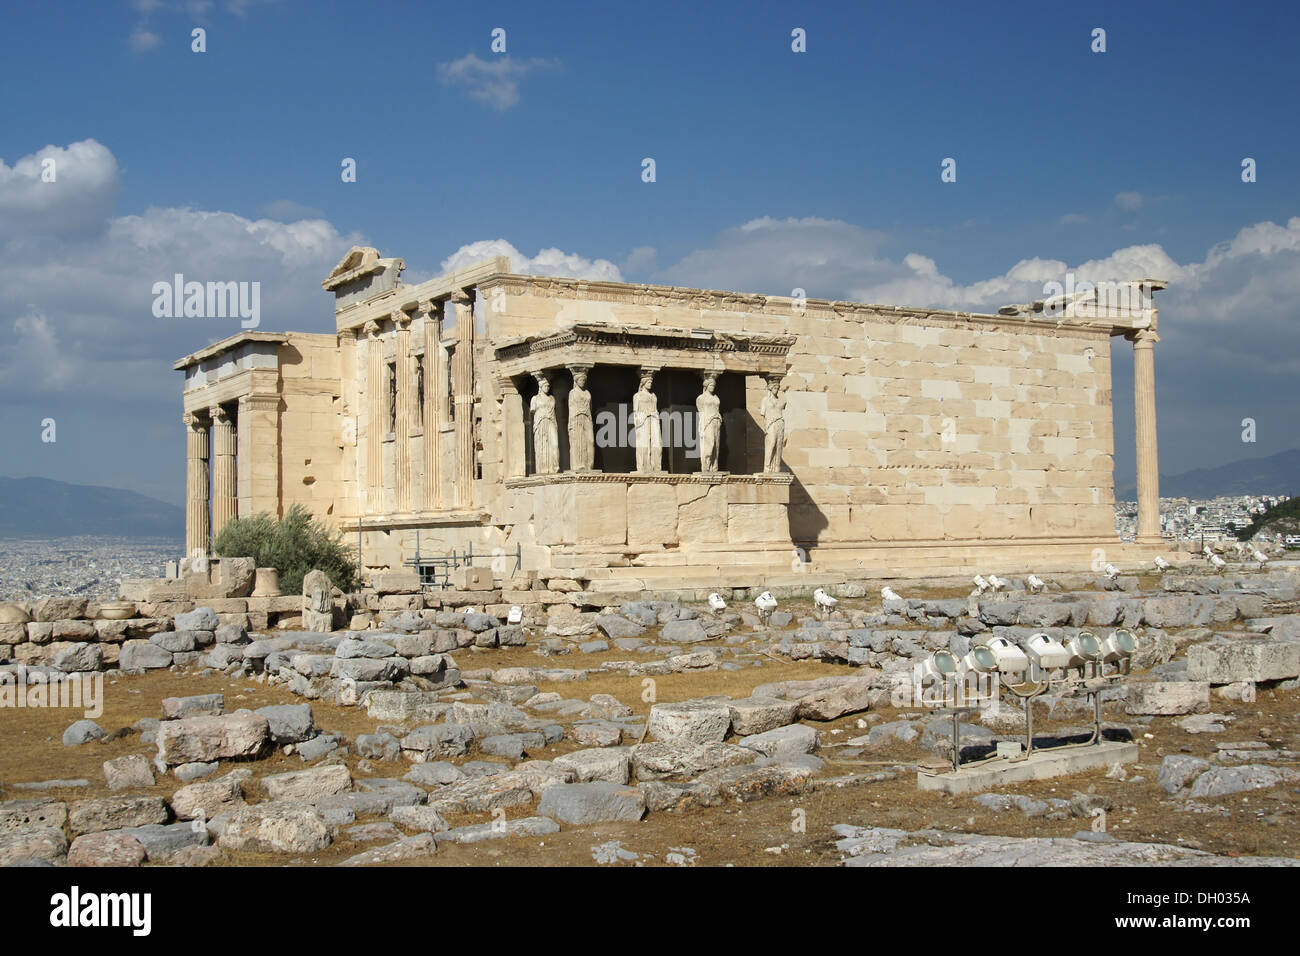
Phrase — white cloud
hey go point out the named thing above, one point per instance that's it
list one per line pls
(495, 81)
(142, 40)
(1129, 201)
(552, 262)
(58, 191)
(79, 300)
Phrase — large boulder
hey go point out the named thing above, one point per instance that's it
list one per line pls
(1169, 697)
(697, 721)
(783, 742)
(308, 786)
(205, 739)
(756, 715)
(288, 723)
(114, 813)
(276, 828)
(106, 849)
(143, 655)
(599, 802)
(1231, 662)
(1178, 770)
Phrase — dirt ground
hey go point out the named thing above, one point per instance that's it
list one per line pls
(779, 831)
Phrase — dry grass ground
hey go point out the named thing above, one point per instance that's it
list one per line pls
(1259, 822)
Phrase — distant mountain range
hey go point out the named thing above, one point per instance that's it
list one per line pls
(1275, 475)
(43, 508)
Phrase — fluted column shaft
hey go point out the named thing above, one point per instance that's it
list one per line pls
(196, 484)
(225, 484)
(434, 388)
(463, 376)
(377, 426)
(1148, 462)
(404, 419)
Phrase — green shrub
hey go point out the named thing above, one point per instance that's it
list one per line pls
(293, 546)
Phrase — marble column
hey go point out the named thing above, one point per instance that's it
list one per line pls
(1148, 463)
(463, 377)
(348, 466)
(377, 425)
(225, 482)
(435, 386)
(196, 485)
(512, 427)
(404, 420)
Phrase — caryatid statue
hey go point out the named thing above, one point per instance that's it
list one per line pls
(645, 419)
(582, 443)
(709, 411)
(773, 409)
(546, 433)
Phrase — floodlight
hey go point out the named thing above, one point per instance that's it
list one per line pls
(1010, 658)
(1120, 645)
(1046, 651)
(941, 666)
(1084, 647)
(981, 659)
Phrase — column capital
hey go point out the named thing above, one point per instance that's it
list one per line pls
(461, 297)
(1143, 338)
(579, 366)
(428, 307)
(400, 319)
(219, 415)
(194, 421)
(371, 328)
(259, 401)
(346, 334)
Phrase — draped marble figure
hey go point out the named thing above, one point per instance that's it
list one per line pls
(645, 418)
(582, 445)
(773, 409)
(708, 408)
(546, 433)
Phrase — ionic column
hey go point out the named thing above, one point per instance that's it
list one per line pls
(512, 428)
(1148, 463)
(349, 465)
(463, 376)
(405, 412)
(196, 485)
(375, 427)
(225, 485)
(435, 386)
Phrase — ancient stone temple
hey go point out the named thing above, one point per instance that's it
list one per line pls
(666, 437)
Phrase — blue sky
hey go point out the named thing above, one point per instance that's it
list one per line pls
(774, 169)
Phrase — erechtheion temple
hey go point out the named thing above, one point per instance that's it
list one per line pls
(659, 436)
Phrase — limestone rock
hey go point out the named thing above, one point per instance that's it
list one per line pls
(201, 705)
(697, 721)
(276, 828)
(308, 786)
(756, 715)
(114, 813)
(1178, 770)
(124, 773)
(40, 843)
(610, 766)
(1168, 697)
(579, 803)
(789, 741)
(208, 798)
(203, 739)
(106, 849)
(83, 732)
